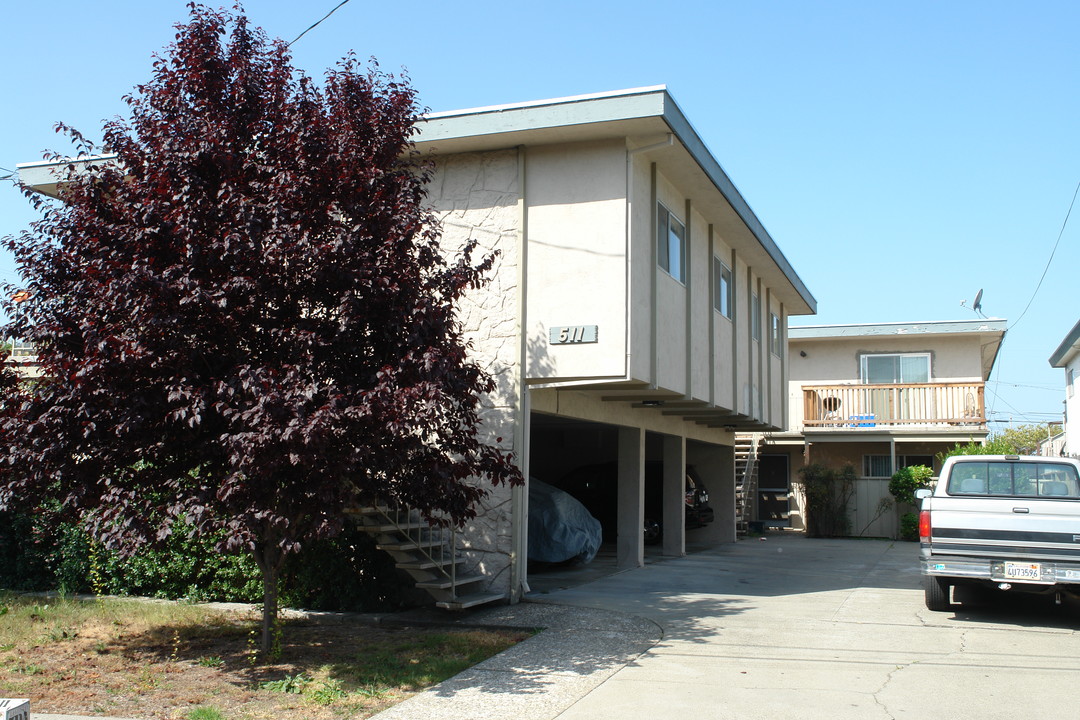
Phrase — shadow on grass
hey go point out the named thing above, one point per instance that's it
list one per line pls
(367, 659)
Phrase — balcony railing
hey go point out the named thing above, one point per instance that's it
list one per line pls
(21, 349)
(867, 406)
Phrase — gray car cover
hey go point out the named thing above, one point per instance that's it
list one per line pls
(560, 528)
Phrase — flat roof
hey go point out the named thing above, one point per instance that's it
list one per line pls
(1067, 349)
(933, 327)
(638, 112)
(991, 332)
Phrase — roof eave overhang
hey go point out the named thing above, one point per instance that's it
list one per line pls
(47, 176)
(1068, 348)
(637, 115)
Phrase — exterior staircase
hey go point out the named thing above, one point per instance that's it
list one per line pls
(746, 480)
(432, 555)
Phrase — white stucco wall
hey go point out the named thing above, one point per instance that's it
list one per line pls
(836, 360)
(577, 255)
(701, 309)
(1072, 409)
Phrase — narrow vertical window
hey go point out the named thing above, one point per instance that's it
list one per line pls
(775, 335)
(755, 317)
(722, 288)
(670, 243)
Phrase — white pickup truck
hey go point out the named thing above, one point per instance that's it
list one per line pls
(1002, 521)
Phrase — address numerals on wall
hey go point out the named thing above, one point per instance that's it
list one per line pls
(573, 334)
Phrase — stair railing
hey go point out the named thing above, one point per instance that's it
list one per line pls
(439, 545)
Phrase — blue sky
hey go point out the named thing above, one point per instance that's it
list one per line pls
(902, 154)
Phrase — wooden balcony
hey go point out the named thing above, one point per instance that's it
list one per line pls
(873, 406)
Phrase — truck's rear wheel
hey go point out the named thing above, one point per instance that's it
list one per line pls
(937, 593)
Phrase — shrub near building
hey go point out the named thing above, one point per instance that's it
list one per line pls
(40, 552)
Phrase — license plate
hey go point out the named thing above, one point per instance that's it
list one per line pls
(1023, 571)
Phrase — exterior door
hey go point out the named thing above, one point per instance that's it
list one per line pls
(774, 486)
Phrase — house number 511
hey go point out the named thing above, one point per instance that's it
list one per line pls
(573, 334)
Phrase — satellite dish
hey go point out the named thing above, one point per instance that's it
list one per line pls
(977, 305)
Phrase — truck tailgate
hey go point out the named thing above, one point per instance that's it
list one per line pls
(1019, 528)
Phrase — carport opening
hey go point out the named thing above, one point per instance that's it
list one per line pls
(580, 459)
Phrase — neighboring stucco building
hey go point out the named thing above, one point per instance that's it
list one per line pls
(637, 311)
(879, 397)
(1067, 357)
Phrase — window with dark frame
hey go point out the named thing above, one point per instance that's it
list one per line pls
(879, 466)
(775, 335)
(670, 243)
(755, 317)
(723, 287)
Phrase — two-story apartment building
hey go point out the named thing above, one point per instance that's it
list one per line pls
(636, 315)
(878, 397)
(1067, 357)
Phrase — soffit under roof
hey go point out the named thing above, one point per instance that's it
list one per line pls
(1068, 348)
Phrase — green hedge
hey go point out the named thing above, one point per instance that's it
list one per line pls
(344, 574)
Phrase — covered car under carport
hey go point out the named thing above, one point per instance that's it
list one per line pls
(615, 471)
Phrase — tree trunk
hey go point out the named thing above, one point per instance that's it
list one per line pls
(270, 609)
(269, 560)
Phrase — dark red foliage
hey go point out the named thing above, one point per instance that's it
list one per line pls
(246, 318)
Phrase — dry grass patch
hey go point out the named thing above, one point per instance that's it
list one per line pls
(176, 661)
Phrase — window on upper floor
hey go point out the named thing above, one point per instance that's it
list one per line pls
(722, 288)
(1070, 382)
(755, 317)
(776, 335)
(670, 243)
(891, 368)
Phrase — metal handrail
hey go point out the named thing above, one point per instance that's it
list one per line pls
(443, 552)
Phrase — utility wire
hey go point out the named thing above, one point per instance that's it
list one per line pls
(1009, 383)
(1060, 233)
(317, 23)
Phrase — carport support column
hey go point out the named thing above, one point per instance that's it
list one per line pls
(674, 495)
(630, 547)
(715, 464)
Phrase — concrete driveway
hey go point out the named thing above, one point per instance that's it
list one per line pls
(790, 627)
(786, 627)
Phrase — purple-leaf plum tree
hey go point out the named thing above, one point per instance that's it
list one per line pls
(245, 317)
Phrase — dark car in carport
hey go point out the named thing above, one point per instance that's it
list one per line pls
(596, 487)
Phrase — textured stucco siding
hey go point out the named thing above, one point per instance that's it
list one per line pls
(476, 198)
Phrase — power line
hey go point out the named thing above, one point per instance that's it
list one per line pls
(316, 24)
(1043, 277)
(1006, 383)
(1029, 419)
